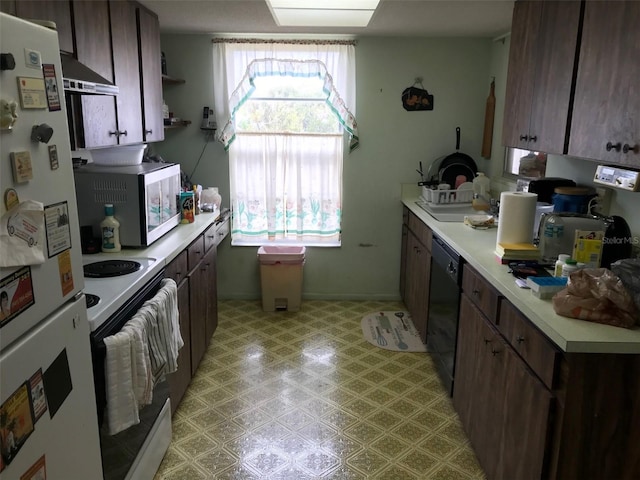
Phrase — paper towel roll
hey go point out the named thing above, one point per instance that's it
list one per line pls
(517, 213)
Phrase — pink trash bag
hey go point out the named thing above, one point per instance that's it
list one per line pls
(597, 295)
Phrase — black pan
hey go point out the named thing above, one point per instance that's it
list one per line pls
(455, 164)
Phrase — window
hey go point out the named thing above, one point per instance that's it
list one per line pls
(525, 163)
(286, 144)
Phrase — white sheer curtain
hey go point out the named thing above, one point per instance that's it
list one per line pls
(284, 187)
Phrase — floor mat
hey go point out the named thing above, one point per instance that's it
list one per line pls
(392, 331)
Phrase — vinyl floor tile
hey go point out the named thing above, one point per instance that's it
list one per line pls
(302, 396)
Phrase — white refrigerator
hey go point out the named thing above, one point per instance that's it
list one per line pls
(48, 422)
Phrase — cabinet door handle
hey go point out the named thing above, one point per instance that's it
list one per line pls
(495, 351)
(613, 146)
(487, 341)
(520, 339)
(524, 137)
(475, 293)
(112, 133)
(122, 133)
(533, 138)
(626, 148)
(148, 132)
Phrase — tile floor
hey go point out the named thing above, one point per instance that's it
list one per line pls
(301, 395)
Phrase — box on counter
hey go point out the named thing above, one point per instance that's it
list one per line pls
(587, 247)
(186, 205)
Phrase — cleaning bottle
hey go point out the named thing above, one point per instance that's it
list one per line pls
(110, 228)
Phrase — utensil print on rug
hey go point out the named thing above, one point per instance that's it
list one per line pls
(381, 340)
(400, 315)
(401, 344)
(384, 322)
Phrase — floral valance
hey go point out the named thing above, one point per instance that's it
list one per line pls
(268, 67)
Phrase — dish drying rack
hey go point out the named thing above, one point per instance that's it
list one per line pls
(444, 197)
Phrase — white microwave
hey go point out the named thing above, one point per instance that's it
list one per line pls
(143, 196)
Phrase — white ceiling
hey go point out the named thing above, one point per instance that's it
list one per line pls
(424, 18)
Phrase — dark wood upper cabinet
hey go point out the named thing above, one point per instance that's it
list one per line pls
(97, 125)
(606, 113)
(544, 39)
(151, 75)
(126, 66)
(58, 12)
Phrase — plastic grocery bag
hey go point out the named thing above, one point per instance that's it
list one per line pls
(628, 270)
(597, 295)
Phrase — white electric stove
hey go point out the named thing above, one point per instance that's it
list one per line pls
(114, 291)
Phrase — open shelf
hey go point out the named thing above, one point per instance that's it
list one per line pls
(181, 124)
(167, 80)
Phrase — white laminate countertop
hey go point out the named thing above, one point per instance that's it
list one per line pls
(477, 247)
(171, 244)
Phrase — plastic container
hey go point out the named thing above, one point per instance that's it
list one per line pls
(541, 207)
(210, 199)
(572, 199)
(546, 287)
(569, 267)
(562, 259)
(121, 155)
(110, 228)
(281, 277)
(482, 186)
(552, 236)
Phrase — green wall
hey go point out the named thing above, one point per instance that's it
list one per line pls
(393, 141)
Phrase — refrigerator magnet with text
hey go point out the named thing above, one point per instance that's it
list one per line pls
(16, 422)
(37, 471)
(38, 398)
(53, 157)
(51, 84)
(8, 114)
(32, 92)
(58, 233)
(66, 274)
(21, 165)
(16, 294)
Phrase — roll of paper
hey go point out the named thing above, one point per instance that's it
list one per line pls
(517, 213)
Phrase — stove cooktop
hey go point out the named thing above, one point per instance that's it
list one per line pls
(114, 291)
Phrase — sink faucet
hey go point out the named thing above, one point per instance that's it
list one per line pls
(492, 204)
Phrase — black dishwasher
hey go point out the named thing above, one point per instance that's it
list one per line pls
(444, 300)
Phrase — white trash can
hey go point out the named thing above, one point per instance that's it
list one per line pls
(281, 277)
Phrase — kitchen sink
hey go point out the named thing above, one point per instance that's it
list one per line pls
(450, 212)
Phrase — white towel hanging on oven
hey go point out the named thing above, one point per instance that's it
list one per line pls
(122, 407)
(141, 363)
(163, 327)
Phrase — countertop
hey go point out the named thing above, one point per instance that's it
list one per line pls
(171, 244)
(478, 249)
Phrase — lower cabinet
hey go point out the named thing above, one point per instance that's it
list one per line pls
(415, 270)
(194, 270)
(503, 406)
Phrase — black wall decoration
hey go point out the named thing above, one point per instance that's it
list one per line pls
(416, 99)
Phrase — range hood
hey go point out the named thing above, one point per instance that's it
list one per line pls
(81, 80)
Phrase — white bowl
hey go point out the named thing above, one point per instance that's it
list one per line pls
(120, 155)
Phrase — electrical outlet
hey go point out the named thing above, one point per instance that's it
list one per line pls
(603, 200)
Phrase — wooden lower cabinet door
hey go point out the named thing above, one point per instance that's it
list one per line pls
(504, 408)
(476, 379)
(180, 379)
(198, 314)
(212, 293)
(524, 420)
(417, 283)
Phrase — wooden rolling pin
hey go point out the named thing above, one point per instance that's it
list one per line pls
(488, 122)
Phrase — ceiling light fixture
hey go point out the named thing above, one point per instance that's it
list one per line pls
(322, 13)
